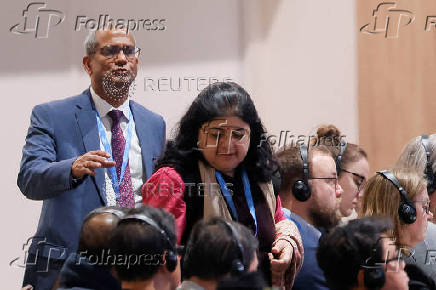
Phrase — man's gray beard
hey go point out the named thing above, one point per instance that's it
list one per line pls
(120, 88)
(325, 220)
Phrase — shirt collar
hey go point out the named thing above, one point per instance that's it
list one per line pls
(104, 107)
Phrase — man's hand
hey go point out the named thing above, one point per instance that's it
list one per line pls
(283, 250)
(89, 161)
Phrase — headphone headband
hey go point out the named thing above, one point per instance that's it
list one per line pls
(389, 175)
(304, 157)
(431, 182)
(238, 265)
(339, 158)
(150, 222)
(171, 256)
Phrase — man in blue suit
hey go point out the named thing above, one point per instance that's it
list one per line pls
(87, 151)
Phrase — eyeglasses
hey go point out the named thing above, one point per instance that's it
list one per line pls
(111, 51)
(360, 178)
(333, 181)
(234, 134)
(425, 206)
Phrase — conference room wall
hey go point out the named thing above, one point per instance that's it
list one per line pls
(396, 77)
(276, 50)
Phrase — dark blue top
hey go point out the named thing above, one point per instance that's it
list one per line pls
(310, 277)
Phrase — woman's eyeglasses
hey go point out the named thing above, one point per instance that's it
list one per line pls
(360, 179)
(425, 205)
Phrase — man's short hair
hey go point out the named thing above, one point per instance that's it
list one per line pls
(91, 42)
(342, 252)
(139, 247)
(94, 240)
(291, 165)
(212, 248)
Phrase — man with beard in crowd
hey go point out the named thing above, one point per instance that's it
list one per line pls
(310, 194)
(91, 150)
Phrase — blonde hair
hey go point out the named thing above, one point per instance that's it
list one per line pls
(413, 154)
(383, 198)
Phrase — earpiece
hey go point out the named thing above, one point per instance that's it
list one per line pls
(301, 189)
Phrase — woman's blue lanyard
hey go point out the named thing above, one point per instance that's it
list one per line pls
(108, 149)
(247, 191)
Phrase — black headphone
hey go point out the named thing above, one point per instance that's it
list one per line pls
(373, 276)
(301, 188)
(238, 267)
(170, 256)
(406, 209)
(431, 180)
(339, 158)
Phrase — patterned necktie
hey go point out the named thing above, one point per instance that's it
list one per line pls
(126, 197)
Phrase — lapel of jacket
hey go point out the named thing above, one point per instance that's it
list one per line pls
(87, 124)
(143, 131)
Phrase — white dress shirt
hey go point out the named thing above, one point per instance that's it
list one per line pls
(135, 158)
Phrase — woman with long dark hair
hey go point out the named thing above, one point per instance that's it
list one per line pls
(218, 165)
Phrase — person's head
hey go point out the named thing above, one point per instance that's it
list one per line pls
(363, 256)
(218, 248)
(221, 127)
(250, 280)
(96, 230)
(383, 197)
(144, 244)
(352, 166)
(310, 191)
(111, 61)
(420, 153)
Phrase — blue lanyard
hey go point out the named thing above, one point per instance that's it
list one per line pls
(247, 192)
(108, 149)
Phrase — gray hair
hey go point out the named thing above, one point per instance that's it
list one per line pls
(91, 42)
(413, 155)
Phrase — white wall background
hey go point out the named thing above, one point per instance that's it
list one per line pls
(297, 58)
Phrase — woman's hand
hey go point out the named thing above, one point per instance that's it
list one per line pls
(287, 254)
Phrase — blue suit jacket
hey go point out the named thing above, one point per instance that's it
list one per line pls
(59, 132)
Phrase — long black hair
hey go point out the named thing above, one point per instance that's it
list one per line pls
(217, 100)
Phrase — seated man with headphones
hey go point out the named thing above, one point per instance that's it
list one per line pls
(217, 249)
(87, 268)
(363, 255)
(310, 194)
(144, 248)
